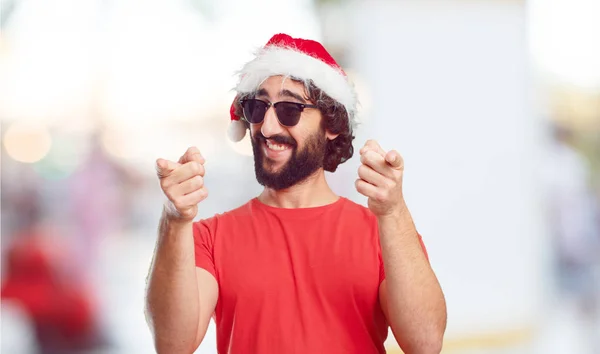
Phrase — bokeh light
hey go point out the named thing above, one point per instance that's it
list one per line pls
(27, 142)
(48, 64)
(64, 157)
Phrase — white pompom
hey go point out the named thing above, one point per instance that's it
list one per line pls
(236, 130)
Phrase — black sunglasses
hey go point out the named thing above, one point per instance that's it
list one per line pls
(288, 113)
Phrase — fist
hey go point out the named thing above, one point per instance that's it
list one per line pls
(183, 184)
(380, 178)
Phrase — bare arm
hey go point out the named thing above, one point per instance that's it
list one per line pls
(180, 297)
(410, 296)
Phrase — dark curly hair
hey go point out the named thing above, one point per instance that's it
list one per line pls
(335, 120)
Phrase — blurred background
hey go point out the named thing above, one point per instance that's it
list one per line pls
(494, 104)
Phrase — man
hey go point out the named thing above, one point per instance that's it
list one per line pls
(297, 269)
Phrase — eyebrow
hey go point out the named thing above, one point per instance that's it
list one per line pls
(282, 93)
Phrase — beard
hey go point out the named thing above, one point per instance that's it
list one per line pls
(301, 164)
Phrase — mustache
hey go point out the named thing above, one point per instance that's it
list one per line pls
(278, 139)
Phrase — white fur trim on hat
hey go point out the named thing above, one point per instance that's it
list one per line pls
(236, 130)
(275, 60)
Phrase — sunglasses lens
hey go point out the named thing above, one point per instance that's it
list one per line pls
(288, 113)
(254, 110)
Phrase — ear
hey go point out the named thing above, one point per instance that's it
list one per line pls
(330, 135)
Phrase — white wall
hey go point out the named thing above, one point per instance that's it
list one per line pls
(450, 91)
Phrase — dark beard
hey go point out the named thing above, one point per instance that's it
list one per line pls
(302, 163)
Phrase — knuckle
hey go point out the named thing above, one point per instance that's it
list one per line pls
(200, 168)
(370, 155)
(362, 169)
(201, 195)
(194, 167)
(165, 184)
(204, 193)
(197, 182)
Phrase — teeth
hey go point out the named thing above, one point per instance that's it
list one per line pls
(275, 146)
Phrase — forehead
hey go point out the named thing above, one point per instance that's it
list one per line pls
(275, 85)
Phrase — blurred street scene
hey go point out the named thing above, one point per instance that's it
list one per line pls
(494, 105)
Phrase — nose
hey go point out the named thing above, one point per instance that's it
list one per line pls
(270, 125)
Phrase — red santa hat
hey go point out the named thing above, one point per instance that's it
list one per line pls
(300, 59)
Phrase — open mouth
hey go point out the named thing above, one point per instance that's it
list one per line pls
(277, 147)
(276, 151)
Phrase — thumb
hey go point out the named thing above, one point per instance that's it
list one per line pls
(165, 167)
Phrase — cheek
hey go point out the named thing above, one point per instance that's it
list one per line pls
(254, 128)
(306, 130)
(299, 134)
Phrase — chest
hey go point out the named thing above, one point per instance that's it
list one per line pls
(294, 260)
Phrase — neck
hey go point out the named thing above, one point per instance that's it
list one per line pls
(312, 192)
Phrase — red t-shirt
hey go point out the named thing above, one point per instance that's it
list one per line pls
(295, 280)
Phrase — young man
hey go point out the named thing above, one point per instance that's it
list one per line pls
(297, 269)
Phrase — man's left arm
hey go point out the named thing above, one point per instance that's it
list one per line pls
(410, 295)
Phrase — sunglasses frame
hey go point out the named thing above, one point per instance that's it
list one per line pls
(301, 107)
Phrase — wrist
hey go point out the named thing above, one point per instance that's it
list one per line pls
(173, 217)
(396, 224)
(397, 213)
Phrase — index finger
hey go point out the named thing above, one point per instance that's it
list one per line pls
(192, 154)
(372, 145)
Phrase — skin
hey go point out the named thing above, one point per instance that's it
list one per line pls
(181, 297)
(410, 296)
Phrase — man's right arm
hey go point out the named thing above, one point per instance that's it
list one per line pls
(180, 298)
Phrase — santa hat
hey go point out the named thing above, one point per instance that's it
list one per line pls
(300, 59)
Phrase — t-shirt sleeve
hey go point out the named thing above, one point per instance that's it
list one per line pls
(382, 269)
(204, 246)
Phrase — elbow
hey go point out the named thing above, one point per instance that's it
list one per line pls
(433, 341)
(429, 342)
(166, 346)
(165, 343)
(432, 345)
(169, 344)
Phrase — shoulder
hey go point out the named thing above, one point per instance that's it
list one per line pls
(353, 210)
(358, 219)
(210, 224)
